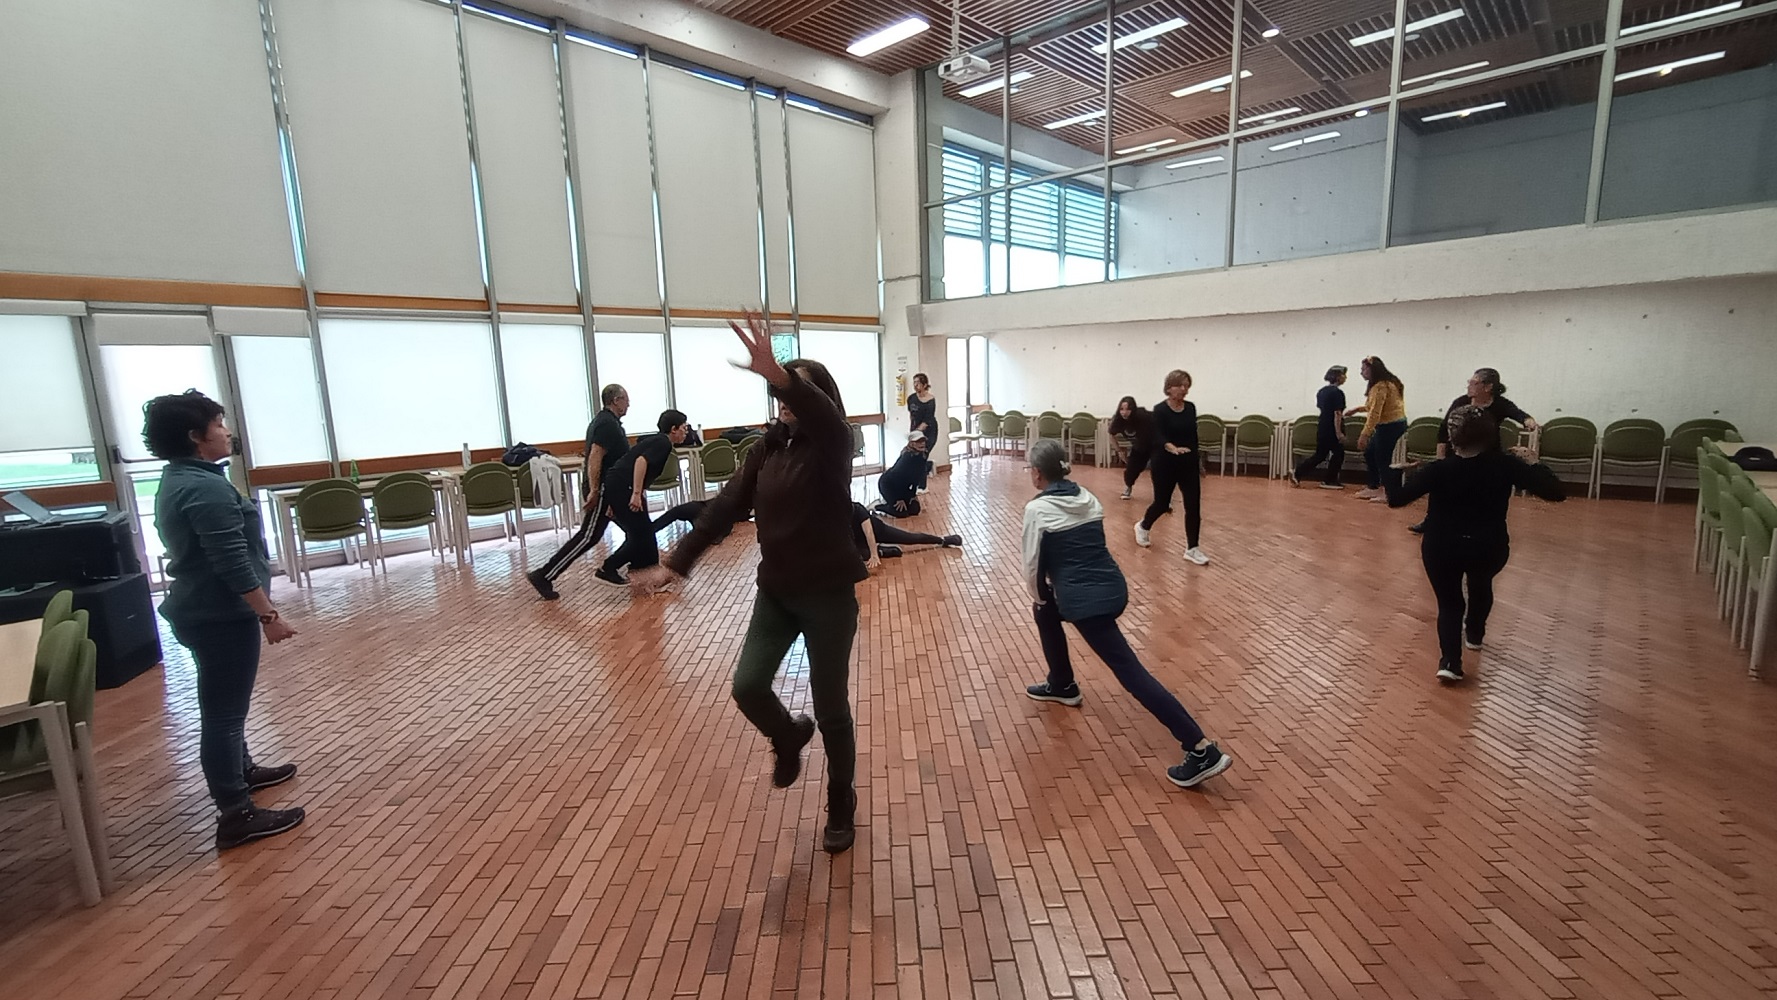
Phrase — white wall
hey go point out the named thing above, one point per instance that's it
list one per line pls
(1670, 352)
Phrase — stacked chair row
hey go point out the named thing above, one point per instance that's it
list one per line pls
(1735, 522)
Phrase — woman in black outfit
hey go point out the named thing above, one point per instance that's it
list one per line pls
(1175, 464)
(1139, 425)
(922, 412)
(1329, 435)
(1465, 525)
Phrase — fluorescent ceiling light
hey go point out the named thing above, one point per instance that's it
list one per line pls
(1270, 32)
(1665, 68)
(601, 46)
(900, 31)
(1361, 112)
(1305, 140)
(1144, 34)
(1419, 25)
(996, 83)
(1464, 113)
(1681, 18)
(1142, 149)
(1483, 64)
(1194, 163)
(1270, 116)
(1075, 120)
(1220, 81)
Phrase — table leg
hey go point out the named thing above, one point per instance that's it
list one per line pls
(91, 807)
(287, 538)
(53, 718)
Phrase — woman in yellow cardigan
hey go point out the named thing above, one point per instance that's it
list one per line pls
(1385, 421)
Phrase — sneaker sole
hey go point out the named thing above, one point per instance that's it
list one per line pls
(1197, 562)
(1470, 645)
(1329, 486)
(1069, 702)
(611, 583)
(259, 834)
(1220, 766)
(1445, 675)
(270, 784)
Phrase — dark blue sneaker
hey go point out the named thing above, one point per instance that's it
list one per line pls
(1069, 695)
(789, 753)
(1199, 766)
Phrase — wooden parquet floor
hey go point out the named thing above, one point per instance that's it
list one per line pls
(510, 799)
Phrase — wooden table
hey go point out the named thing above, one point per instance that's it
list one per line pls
(18, 661)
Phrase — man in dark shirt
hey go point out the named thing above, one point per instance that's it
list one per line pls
(605, 444)
(625, 502)
(900, 483)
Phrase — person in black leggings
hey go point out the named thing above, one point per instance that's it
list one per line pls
(877, 539)
(1138, 423)
(1176, 465)
(1329, 434)
(1465, 525)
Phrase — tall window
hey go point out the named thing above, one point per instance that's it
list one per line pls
(1055, 236)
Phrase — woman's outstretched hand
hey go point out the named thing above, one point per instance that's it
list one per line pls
(756, 337)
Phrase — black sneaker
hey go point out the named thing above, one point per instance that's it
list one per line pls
(1069, 695)
(1126, 494)
(841, 830)
(1417, 529)
(541, 582)
(888, 551)
(1450, 670)
(252, 823)
(610, 576)
(789, 754)
(1199, 766)
(953, 541)
(265, 777)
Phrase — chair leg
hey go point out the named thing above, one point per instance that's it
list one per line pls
(90, 805)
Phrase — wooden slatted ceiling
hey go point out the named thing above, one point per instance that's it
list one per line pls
(1311, 66)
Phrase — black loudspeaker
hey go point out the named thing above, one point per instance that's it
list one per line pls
(84, 551)
(122, 623)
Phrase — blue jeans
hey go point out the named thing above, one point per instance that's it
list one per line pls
(1381, 452)
(1106, 639)
(227, 655)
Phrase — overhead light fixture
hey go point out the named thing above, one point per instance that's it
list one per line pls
(1194, 163)
(1419, 25)
(1144, 148)
(1220, 81)
(1270, 116)
(1361, 113)
(1270, 32)
(1665, 68)
(996, 83)
(1483, 64)
(1465, 112)
(1681, 18)
(601, 46)
(1143, 35)
(1305, 140)
(1075, 120)
(900, 31)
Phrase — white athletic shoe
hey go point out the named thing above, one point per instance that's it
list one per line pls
(1196, 555)
(1143, 537)
(1368, 494)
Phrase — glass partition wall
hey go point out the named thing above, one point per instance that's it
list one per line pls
(1130, 138)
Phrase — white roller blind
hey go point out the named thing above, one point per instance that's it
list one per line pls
(376, 116)
(410, 387)
(637, 362)
(137, 140)
(523, 170)
(280, 402)
(152, 329)
(855, 359)
(712, 392)
(832, 179)
(546, 396)
(775, 185)
(42, 396)
(260, 322)
(134, 373)
(709, 201)
(616, 190)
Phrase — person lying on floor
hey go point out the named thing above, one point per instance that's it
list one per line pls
(899, 485)
(877, 539)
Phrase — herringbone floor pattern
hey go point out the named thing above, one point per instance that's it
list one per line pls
(512, 799)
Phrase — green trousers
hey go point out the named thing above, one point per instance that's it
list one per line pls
(827, 620)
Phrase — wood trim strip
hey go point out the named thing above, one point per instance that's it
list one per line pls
(73, 495)
(419, 463)
(708, 314)
(598, 311)
(355, 300)
(868, 418)
(286, 475)
(539, 308)
(20, 285)
(824, 319)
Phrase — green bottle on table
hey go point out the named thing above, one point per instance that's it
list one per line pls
(354, 472)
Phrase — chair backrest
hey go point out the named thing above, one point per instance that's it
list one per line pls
(487, 487)
(1569, 438)
(1733, 523)
(322, 485)
(60, 609)
(1422, 437)
(1757, 538)
(1083, 427)
(857, 441)
(55, 651)
(1708, 486)
(1015, 413)
(1353, 427)
(1050, 425)
(1305, 431)
(1509, 433)
(719, 458)
(1633, 440)
(1765, 509)
(1743, 489)
(1013, 424)
(1049, 413)
(955, 425)
(402, 496)
(668, 478)
(330, 509)
(1689, 436)
(1211, 428)
(987, 422)
(1714, 427)
(1253, 430)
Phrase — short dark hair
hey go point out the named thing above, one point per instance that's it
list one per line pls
(670, 419)
(1178, 376)
(1334, 372)
(921, 377)
(1472, 427)
(611, 392)
(1490, 378)
(169, 421)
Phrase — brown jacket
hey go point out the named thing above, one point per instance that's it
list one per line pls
(798, 486)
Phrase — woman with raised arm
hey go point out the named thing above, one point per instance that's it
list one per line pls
(797, 483)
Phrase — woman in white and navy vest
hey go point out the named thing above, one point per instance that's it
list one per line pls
(1072, 577)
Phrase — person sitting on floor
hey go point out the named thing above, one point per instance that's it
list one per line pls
(878, 540)
(900, 483)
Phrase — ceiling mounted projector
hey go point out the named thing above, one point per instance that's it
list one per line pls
(965, 68)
